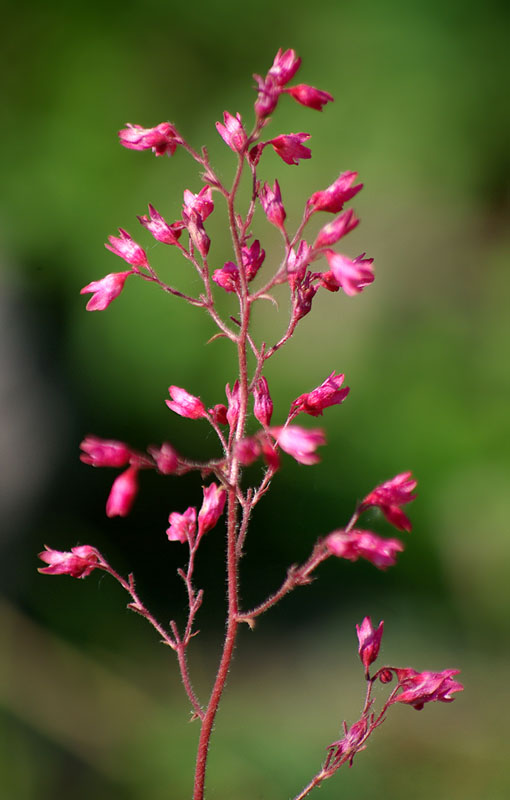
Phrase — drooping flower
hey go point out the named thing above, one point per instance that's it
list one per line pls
(290, 147)
(305, 291)
(299, 443)
(123, 493)
(271, 200)
(419, 688)
(331, 233)
(159, 227)
(161, 139)
(182, 526)
(309, 96)
(263, 405)
(369, 639)
(212, 507)
(232, 132)
(185, 404)
(201, 203)
(351, 274)
(78, 563)
(327, 394)
(390, 496)
(125, 247)
(105, 290)
(104, 452)
(166, 458)
(364, 544)
(333, 198)
(227, 277)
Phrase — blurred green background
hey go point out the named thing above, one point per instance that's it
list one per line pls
(88, 700)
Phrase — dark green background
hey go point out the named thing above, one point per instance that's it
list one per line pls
(90, 705)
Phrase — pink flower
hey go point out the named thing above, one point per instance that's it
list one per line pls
(227, 277)
(166, 458)
(325, 395)
(309, 96)
(212, 508)
(195, 225)
(104, 452)
(79, 563)
(233, 404)
(297, 262)
(201, 203)
(290, 148)
(346, 748)
(263, 405)
(160, 229)
(184, 404)
(182, 526)
(218, 413)
(105, 290)
(333, 198)
(369, 639)
(161, 139)
(285, 66)
(125, 247)
(364, 544)
(426, 687)
(271, 200)
(352, 275)
(248, 450)
(332, 232)
(232, 132)
(269, 91)
(299, 443)
(122, 494)
(305, 292)
(389, 496)
(253, 258)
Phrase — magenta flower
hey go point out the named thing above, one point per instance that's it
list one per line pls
(332, 232)
(299, 443)
(182, 526)
(78, 563)
(248, 450)
(212, 508)
(305, 292)
(161, 139)
(285, 66)
(105, 290)
(297, 262)
(268, 93)
(232, 132)
(197, 233)
(166, 458)
(271, 200)
(160, 229)
(333, 198)
(290, 148)
(309, 96)
(253, 258)
(104, 452)
(352, 275)
(419, 688)
(327, 394)
(218, 414)
(201, 203)
(123, 493)
(369, 639)
(346, 748)
(263, 405)
(364, 544)
(233, 404)
(184, 404)
(389, 496)
(227, 277)
(125, 247)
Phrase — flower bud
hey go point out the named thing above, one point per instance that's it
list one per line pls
(122, 494)
(369, 639)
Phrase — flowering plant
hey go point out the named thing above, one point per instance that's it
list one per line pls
(227, 491)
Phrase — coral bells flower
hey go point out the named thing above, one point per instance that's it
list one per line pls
(195, 225)
(345, 749)
(166, 458)
(232, 132)
(161, 139)
(333, 198)
(369, 639)
(122, 494)
(182, 526)
(201, 203)
(327, 394)
(351, 275)
(332, 232)
(253, 258)
(426, 687)
(79, 563)
(212, 508)
(184, 404)
(309, 96)
(227, 277)
(389, 496)
(125, 247)
(271, 200)
(299, 443)
(297, 262)
(364, 544)
(285, 66)
(104, 452)
(290, 148)
(160, 229)
(105, 290)
(263, 405)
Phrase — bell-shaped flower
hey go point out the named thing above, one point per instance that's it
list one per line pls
(212, 507)
(185, 404)
(253, 258)
(364, 544)
(419, 688)
(159, 227)
(161, 139)
(299, 443)
(182, 526)
(125, 247)
(78, 563)
(195, 225)
(166, 458)
(352, 274)
(263, 405)
(327, 394)
(233, 404)
(285, 65)
(201, 203)
(333, 198)
(105, 290)
(331, 233)
(271, 200)
(123, 493)
(269, 91)
(390, 496)
(232, 132)
(290, 147)
(305, 291)
(227, 277)
(309, 96)
(369, 639)
(104, 452)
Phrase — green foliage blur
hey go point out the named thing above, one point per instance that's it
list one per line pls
(88, 700)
